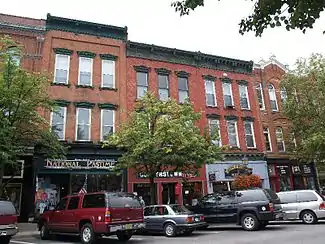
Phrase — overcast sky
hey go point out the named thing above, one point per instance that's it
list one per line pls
(212, 29)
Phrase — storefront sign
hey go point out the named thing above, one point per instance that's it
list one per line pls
(212, 177)
(283, 169)
(306, 169)
(236, 170)
(80, 164)
(296, 169)
(169, 174)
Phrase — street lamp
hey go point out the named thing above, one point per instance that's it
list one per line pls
(244, 160)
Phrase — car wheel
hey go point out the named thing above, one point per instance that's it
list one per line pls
(308, 217)
(5, 240)
(44, 232)
(170, 230)
(87, 234)
(249, 222)
(124, 236)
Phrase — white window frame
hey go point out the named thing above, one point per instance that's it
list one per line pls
(166, 89)
(231, 94)
(236, 130)
(101, 122)
(68, 68)
(137, 85)
(219, 131)
(77, 116)
(269, 137)
(276, 102)
(259, 88)
(64, 122)
(214, 93)
(113, 62)
(247, 97)
(22, 162)
(180, 90)
(276, 137)
(251, 123)
(91, 71)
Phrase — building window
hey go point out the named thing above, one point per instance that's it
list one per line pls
(267, 139)
(108, 73)
(142, 84)
(61, 72)
(214, 129)
(107, 123)
(83, 124)
(227, 94)
(249, 134)
(85, 71)
(182, 89)
(13, 52)
(283, 94)
(280, 139)
(58, 120)
(210, 93)
(244, 100)
(260, 96)
(232, 133)
(163, 86)
(272, 94)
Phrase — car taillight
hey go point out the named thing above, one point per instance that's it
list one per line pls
(107, 215)
(189, 219)
(322, 206)
(270, 207)
(202, 218)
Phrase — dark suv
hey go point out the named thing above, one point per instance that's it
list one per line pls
(8, 221)
(253, 209)
(94, 215)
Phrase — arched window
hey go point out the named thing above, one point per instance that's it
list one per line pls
(272, 95)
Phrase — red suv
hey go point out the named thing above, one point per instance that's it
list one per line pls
(8, 221)
(94, 215)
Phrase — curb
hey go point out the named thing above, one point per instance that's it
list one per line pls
(27, 233)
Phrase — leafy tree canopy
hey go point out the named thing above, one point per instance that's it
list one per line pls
(292, 14)
(163, 136)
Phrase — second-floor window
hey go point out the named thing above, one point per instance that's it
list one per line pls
(243, 94)
(214, 129)
(227, 94)
(142, 84)
(58, 120)
(85, 71)
(283, 94)
(61, 72)
(273, 101)
(108, 73)
(163, 87)
(182, 89)
(232, 133)
(210, 93)
(83, 124)
(249, 134)
(260, 96)
(280, 139)
(267, 139)
(107, 123)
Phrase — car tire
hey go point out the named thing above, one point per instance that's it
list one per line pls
(249, 222)
(87, 234)
(308, 217)
(44, 232)
(124, 236)
(5, 240)
(170, 230)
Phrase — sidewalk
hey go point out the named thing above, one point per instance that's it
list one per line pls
(27, 229)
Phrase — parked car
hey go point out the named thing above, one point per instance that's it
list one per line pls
(172, 220)
(307, 205)
(252, 209)
(8, 221)
(94, 215)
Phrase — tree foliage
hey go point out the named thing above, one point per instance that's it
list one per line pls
(291, 14)
(23, 96)
(163, 136)
(305, 107)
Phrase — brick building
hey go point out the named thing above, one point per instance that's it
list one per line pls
(284, 173)
(223, 91)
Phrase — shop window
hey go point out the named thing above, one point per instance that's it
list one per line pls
(260, 96)
(192, 192)
(267, 139)
(272, 95)
(182, 89)
(58, 121)
(83, 124)
(249, 134)
(108, 73)
(61, 71)
(144, 191)
(107, 123)
(94, 201)
(62, 204)
(85, 71)
(142, 84)
(163, 87)
(244, 99)
(271, 169)
(280, 139)
(210, 93)
(232, 133)
(73, 203)
(227, 94)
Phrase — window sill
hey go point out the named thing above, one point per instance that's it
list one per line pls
(230, 107)
(275, 111)
(251, 148)
(60, 84)
(107, 88)
(246, 109)
(85, 86)
(83, 142)
(210, 106)
(234, 148)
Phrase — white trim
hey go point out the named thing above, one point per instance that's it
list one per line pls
(231, 94)
(253, 133)
(260, 88)
(64, 121)
(168, 87)
(91, 70)
(114, 67)
(269, 137)
(68, 68)
(101, 122)
(276, 100)
(214, 93)
(21, 171)
(147, 85)
(247, 97)
(236, 131)
(89, 122)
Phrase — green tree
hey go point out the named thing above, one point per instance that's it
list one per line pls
(305, 107)
(292, 14)
(162, 136)
(23, 96)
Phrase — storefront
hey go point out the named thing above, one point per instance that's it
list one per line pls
(171, 187)
(221, 174)
(286, 175)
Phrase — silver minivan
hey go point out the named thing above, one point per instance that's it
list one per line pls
(307, 205)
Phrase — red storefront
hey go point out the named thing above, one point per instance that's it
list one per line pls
(171, 187)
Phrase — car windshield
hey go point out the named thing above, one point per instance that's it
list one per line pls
(180, 209)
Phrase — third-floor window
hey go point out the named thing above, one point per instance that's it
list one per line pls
(142, 84)
(243, 94)
(108, 73)
(182, 89)
(61, 72)
(210, 93)
(260, 96)
(272, 95)
(163, 87)
(85, 71)
(227, 94)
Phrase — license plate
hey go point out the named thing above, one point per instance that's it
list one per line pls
(128, 226)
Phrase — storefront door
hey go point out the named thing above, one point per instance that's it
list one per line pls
(168, 194)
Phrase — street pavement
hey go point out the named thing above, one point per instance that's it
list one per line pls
(286, 233)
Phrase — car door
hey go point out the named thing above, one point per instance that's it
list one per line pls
(289, 204)
(208, 207)
(157, 219)
(148, 218)
(56, 219)
(70, 219)
(226, 211)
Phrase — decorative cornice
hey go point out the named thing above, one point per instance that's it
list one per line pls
(87, 28)
(37, 29)
(84, 104)
(182, 74)
(107, 106)
(248, 118)
(62, 103)
(86, 54)
(63, 51)
(196, 59)
(142, 68)
(213, 116)
(108, 56)
(162, 71)
(209, 77)
(242, 82)
(225, 80)
(231, 117)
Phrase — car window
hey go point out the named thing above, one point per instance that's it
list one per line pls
(288, 197)
(7, 208)
(251, 196)
(161, 211)
(122, 200)
(62, 204)
(73, 203)
(94, 201)
(226, 199)
(148, 211)
(306, 197)
(209, 199)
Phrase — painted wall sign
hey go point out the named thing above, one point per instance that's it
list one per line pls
(80, 164)
(169, 174)
(236, 170)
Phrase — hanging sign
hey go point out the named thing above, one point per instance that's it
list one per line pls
(169, 174)
(80, 164)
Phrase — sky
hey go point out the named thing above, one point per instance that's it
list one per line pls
(212, 29)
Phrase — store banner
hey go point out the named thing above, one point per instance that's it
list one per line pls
(107, 164)
(169, 174)
(236, 170)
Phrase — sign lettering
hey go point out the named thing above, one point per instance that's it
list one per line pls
(80, 164)
(169, 174)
